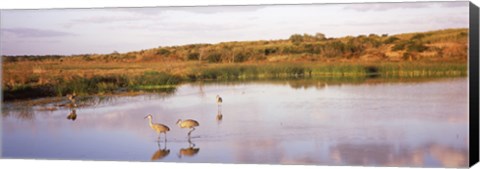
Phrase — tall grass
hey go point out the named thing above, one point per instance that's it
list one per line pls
(164, 81)
(95, 84)
(154, 81)
(246, 71)
(423, 70)
(298, 70)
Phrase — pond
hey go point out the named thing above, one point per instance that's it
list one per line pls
(371, 123)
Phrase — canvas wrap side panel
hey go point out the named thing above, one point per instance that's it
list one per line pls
(473, 83)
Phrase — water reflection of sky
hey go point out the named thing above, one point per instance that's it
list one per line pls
(384, 124)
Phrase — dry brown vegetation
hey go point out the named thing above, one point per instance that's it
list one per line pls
(435, 53)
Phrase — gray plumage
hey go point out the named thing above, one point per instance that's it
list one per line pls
(219, 100)
(157, 127)
(189, 123)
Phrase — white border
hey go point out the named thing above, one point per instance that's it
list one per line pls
(48, 4)
(32, 4)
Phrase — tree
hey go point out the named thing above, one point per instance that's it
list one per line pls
(115, 53)
(320, 36)
(309, 38)
(296, 39)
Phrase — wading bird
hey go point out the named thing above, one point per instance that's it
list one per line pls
(72, 97)
(159, 128)
(219, 100)
(189, 123)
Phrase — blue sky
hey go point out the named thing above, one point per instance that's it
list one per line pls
(86, 31)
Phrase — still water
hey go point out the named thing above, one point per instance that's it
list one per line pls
(284, 122)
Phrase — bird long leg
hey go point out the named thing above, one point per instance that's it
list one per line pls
(191, 131)
(165, 142)
(190, 144)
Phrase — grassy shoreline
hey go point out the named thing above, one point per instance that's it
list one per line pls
(437, 53)
(163, 77)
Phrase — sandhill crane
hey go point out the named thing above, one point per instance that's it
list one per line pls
(159, 128)
(73, 115)
(219, 100)
(72, 97)
(160, 153)
(189, 123)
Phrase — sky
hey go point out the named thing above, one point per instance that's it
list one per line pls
(105, 30)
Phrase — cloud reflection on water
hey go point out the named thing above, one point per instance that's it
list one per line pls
(379, 124)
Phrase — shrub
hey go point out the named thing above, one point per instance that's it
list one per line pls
(418, 36)
(163, 51)
(214, 57)
(399, 46)
(416, 47)
(241, 57)
(193, 56)
(390, 40)
(296, 39)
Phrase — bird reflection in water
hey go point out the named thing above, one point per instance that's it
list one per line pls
(73, 115)
(161, 153)
(190, 151)
(73, 105)
(219, 109)
(219, 116)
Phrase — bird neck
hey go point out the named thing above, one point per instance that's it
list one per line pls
(150, 121)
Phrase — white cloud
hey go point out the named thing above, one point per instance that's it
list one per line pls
(34, 33)
(127, 29)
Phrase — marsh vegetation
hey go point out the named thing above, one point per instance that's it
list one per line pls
(399, 99)
(440, 53)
